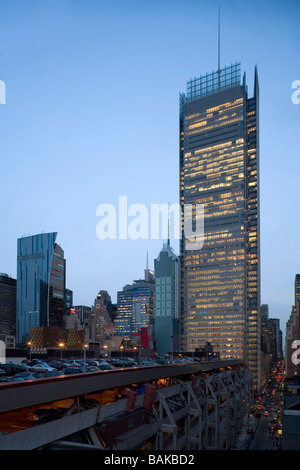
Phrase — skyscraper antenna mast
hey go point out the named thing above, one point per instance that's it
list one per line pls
(219, 66)
(168, 225)
(219, 42)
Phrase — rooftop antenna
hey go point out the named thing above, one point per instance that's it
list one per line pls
(219, 68)
(147, 261)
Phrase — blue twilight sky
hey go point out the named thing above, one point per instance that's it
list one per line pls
(91, 114)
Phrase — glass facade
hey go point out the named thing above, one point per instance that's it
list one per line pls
(166, 283)
(220, 284)
(122, 324)
(40, 283)
(8, 305)
(57, 287)
(166, 324)
(135, 308)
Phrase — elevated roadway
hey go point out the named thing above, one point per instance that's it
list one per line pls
(176, 406)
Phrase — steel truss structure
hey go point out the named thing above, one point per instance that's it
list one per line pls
(189, 410)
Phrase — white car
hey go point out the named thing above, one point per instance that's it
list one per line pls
(43, 368)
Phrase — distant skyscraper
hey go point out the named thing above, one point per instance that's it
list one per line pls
(166, 324)
(166, 268)
(8, 304)
(83, 313)
(219, 169)
(68, 301)
(40, 283)
(293, 334)
(264, 312)
(101, 314)
(135, 307)
(297, 289)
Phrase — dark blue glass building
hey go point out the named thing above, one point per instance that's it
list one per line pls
(40, 283)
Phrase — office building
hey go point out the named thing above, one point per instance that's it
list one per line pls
(271, 344)
(57, 287)
(167, 301)
(291, 414)
(8, 305)
(135, 307)
(41, 271)
(219, 172)
(68, 301)
(83, 313)
(264, 312)
(101, 317)
(292, 357)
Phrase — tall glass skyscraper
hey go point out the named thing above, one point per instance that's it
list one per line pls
(40, 283)
(166, 324)
(219, 158)
(135, 307)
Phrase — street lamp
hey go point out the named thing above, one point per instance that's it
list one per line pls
(85, 346)
(29, 344)
(138, 349)
(61, 346)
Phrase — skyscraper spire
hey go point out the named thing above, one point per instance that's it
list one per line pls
(219, 62)
(168, 225)
(219, 67)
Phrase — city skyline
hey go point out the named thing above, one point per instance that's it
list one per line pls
(78, 108)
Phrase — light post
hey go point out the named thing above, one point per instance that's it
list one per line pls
(61, 346)
(84, 326)
(29, 344)
(121, 347)
(85, 346)
(138, 349)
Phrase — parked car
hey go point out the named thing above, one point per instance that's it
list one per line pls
(71, 370)
(105, 366)
(74, 363)
(11, 369)
(31, 362)
(5, 379)
(88, 368)
(93, 363)
(25, 376)
(52, 373)
(42, 368)
(55, 364)
(123, 363)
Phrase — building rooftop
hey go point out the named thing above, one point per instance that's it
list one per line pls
(168, 249)
(213, 82)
